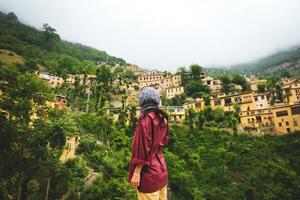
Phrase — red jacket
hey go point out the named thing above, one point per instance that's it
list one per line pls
(149, 138)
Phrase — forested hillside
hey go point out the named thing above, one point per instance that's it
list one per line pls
(46, 49)
(283, 61)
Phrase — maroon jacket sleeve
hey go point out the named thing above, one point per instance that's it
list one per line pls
(142, 142)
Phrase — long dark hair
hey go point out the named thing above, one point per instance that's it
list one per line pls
(162, 115)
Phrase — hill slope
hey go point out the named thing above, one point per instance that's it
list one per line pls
(47, 48)
(288, 60)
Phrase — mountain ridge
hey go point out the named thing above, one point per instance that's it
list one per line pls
(283, 60)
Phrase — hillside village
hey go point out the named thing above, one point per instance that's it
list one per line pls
(257, 113)
(68, 113)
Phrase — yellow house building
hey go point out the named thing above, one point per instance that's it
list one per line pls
(173, 91)
(261, 100)
(291, 93)
(162, 81)
(259, 119)
(245, 100)
(69, 150)
(171, 81)
(176, 113)
(150, 78)
(198, 105)
(279, 119)
(214, 84)
(52, 81)
(70, 80)
(286, 118)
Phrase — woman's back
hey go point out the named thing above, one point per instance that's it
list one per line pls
(150, 136)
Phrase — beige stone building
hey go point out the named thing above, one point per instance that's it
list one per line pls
(291, 93)
(278, 119)
(70, 80)
(214, 84)
(52, 81)
(245, 100)
(88, 79)
(171, 81)
(166, 84)
(172, 91)
(150, 78)
(197, 105)
(286, 118)
(176, 113)
(260, 120)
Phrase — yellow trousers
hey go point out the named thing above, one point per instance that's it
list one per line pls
(158, 195)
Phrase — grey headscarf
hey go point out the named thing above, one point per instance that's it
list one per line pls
(149, 98)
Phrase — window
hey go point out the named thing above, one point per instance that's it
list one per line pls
(287, 123)
(217, 102)
(288, 130)
(280, 124)
(295, 123)
(227, 101)
(296, 110)
(281, 113)
(258, 118)
(198, 105)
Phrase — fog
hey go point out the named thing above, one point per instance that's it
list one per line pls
(166, 34)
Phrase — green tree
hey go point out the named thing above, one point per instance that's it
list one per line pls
(240, 80)
(50, 36)
(201, 120)
(196, 88)
(196, 71)
(12, 16)
(261, 88)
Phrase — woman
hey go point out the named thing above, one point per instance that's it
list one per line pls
(148, 171)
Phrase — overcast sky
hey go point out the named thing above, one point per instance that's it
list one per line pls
(165, 34)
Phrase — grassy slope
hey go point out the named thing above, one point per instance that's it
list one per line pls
(10, 58)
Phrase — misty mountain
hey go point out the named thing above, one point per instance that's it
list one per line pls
(47, 49)
(286, 60)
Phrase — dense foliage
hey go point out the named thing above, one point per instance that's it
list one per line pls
(192, 82)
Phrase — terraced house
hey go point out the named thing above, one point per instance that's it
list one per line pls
(168, 85)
